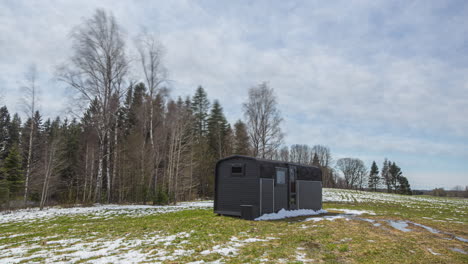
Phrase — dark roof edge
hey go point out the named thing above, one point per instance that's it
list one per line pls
(265, 160)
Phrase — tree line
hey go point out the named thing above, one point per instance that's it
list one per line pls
(130, 141)
(347, 173)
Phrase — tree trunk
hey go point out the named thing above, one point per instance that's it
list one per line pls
(114, 165)
(28, 165)
(85, 174)
(97, 194)
(108, 161)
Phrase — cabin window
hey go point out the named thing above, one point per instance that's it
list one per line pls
(292, 179)
(237, 170)
(280, 176)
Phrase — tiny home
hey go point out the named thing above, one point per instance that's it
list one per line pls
(249, 187)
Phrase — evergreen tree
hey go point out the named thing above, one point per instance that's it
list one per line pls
(241, 139)
(386, 175)
(200, 107)
(14, 131)
(4, 147)
(4, 132)
(395, 173)
(217, 130)
(374, 177)
(69, 134)
(12, 171)
(4, 190)
(404, 186)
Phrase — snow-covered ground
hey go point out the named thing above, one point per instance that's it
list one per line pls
(98, 211)
(289, 214)
(122, 250)
(171, 247)
(329, 195)
(353, 196)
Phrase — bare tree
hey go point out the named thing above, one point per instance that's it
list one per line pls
(151, 54)
(323, 155)
(325, 161)
(263, 121)
(354, 172)
(30, 104)
(96, 71)
(300, 154)
(284, 154)
(52, 163)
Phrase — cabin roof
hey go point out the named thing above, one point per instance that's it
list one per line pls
(267, 161)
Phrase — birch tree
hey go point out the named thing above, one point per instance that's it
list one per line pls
(263, 121)
(30, 104)
(155, 74)
(96, 71)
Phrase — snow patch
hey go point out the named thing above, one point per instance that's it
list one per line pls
(353, 212)
(433, 253)
(288, 214)
(232, 247)
(400, 225)
(459, 250)
(98, 211)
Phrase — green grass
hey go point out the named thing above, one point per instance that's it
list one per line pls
(338, 241)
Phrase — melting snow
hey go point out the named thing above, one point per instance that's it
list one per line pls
(288, 214)
(433, 253)
(353, 212)
(430, 229)
(400, 225)
(98, 211)
(120, 250)
(232, 247)
(459, 250)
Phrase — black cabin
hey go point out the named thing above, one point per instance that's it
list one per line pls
(249, 187)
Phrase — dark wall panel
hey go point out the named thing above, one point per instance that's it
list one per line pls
(267, 193)
(234, 191)
(309, 195)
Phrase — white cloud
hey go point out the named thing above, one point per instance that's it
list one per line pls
(355, 75)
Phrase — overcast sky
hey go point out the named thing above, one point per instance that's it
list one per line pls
(370, 79)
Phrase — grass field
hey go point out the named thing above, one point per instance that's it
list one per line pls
(360, 227)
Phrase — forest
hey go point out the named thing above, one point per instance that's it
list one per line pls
(127, 140)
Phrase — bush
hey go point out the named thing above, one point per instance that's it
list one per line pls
(162, 197)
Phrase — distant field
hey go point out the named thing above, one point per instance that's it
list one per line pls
(359, 227)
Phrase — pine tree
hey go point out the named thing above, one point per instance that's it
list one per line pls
(69, 134)
(217, 130)
(241, 139)
(14, 131)
(4, 132)
(386, 175)
(4, 190)
(395, 173)
(200, 107)
(404, 186)
(12, 171)
(374, 176)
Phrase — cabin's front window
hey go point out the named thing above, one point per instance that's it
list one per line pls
(237, 170)
(280, 176)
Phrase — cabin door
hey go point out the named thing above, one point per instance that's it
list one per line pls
(267, 196)
(281, 189)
